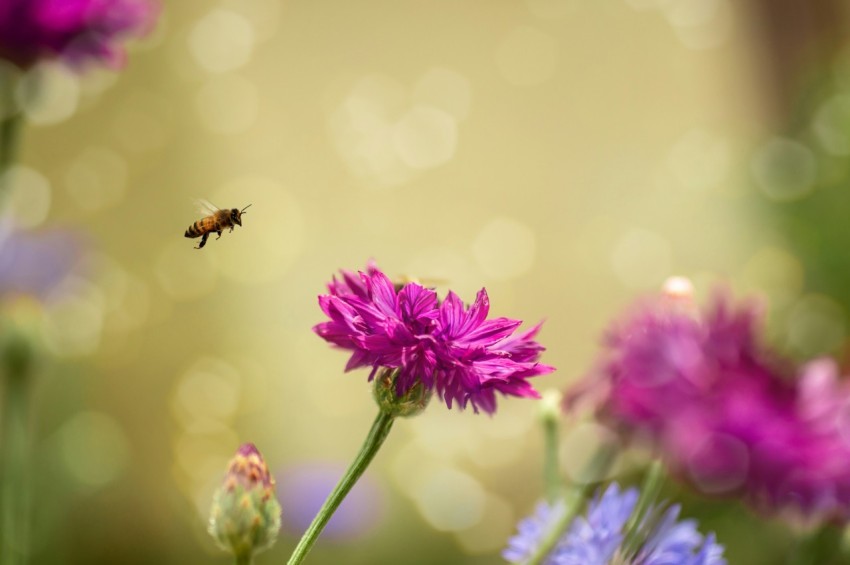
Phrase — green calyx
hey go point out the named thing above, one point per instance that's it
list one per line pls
(244, 521)
(411, 403)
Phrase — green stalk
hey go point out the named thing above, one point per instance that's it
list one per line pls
(14, 451)
(244, 559)
(652, 483)
(10, 127)
(572, 503)
(380, 429)
(551, 467)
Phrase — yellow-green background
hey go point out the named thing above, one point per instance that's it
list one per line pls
(567, 155)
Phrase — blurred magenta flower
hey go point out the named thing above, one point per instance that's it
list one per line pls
(597, 539)
(76, 31)
(304, 487)
(723, 410)
(448, 347)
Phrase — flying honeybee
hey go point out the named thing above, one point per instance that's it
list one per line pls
(216, 221)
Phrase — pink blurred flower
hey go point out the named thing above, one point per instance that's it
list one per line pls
(76, 31)
(725, 411)
(448, 347)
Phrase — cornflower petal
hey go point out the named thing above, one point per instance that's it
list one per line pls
(446, 346)
(597, 538)
(723, 411)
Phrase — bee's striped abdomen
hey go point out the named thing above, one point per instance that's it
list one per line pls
(200, 227)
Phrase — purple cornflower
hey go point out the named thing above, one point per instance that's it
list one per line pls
(76, 31)
(446, 346)
(597, 539)
(724, 411)
(35, 262)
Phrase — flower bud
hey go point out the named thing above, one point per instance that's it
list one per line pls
(550, 405)
(408, 404)
(245, 515)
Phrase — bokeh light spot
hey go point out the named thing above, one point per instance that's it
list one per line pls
(446, 90)
(227, 104)
(641, 258)
(449, 499)
(700, 160)
(222, 41)
(29, 196)
(97, 178)
(74, 318)
(94, 448)
(832, 125)
(425, 137)
(48, 94)
(784, 169)
(489, 534)
(207, 392)
(505, 248)
(700, 24)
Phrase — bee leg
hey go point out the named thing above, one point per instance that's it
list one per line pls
(219, 234)
(203, 241)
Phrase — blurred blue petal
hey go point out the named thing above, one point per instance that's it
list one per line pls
(35, 262)
(303, 488)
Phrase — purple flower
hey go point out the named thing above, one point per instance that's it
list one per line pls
(446, 346)
(597, 539)
(303, 488)
(77, 31)
(35, 262)
(724, 411)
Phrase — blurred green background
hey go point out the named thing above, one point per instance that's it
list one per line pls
(568, 155)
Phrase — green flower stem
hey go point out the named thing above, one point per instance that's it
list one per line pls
(572, 503)
(10, 127)
(652, 482)
(551, 469)
(380, 429)
(244, 559)
(14, 452)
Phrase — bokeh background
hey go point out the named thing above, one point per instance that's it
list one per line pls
(568, 155)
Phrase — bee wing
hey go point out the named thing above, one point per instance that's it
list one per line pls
(205, 207)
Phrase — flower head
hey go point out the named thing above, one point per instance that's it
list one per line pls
(723, 409)
(597, 538)
(245, 516)
(448, 347)
(77, 31)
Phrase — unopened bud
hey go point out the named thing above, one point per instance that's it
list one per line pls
(550, 405)
(410, 403)
(678, 288)
(245, 515)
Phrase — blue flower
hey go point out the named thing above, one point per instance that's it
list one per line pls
(597, 539)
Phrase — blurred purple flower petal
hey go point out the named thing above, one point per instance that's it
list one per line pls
(724, 410)
(76, 31)
(35, 262)
(597, 538)
(303, 488)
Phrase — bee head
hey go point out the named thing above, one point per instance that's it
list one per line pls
(236, 214)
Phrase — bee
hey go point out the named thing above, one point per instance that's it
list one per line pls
(216, 221)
